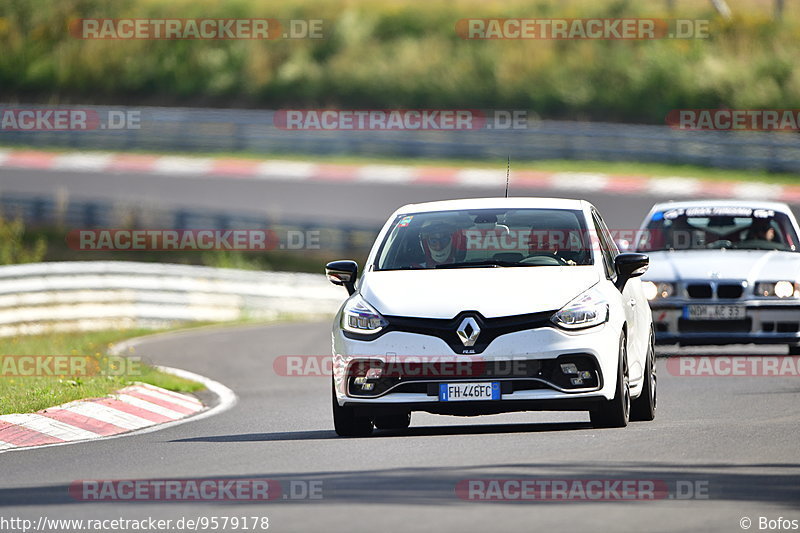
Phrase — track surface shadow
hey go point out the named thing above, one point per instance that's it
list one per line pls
(424, 431)
(774, 484)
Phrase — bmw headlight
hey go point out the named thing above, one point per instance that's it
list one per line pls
(587, 310)
(779, 289)
(654, 290)
(360, 317)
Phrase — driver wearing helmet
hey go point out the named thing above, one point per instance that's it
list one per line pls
(438, 243)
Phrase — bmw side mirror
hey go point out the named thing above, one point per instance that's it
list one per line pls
(629, 266)
(343, 273)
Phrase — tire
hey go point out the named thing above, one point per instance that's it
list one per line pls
(401, 421)
(616, 413)
(643, 408)
(794, 350)
(346, 423)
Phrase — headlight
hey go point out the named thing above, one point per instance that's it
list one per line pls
(587, 310)
(655, 290)
(781, 289)
(360, 317)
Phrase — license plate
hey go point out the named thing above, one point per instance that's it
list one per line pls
(464, 392)
(714, 312)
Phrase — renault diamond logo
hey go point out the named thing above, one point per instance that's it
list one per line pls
(468, 331)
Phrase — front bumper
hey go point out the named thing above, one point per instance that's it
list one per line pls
(765, 322)
(539, 350)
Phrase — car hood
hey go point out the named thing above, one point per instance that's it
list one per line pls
(493, 292)
(750, 265)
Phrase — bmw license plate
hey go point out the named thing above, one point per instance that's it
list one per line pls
(464, 392)
(714, 312)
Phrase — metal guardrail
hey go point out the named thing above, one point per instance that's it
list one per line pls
(65, 296)
(253, 130)
(61, 212)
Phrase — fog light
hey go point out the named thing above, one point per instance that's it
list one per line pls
(367, 386)
(576, 381)
(585, 374)
(374, 373)
(569, 368)
(360, 380)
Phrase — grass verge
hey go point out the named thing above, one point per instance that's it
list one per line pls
(26, 394)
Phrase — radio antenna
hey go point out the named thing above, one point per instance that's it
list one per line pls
(508, 173)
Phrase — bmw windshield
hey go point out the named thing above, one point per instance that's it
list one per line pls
(703, 228)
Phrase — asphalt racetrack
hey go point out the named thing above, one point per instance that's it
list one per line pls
(730, 444)
(725, 448)
(329, 202)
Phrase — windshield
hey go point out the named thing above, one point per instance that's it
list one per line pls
(486, 238)
(703, 228)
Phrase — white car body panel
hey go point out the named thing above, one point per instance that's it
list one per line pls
(493, 292)
(496, 293)
(766, 315)
(748, 265)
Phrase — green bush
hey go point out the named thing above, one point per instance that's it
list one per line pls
(14, 249)
(405, 54)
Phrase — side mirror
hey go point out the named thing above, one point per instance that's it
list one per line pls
(343, 273)
(629, 266)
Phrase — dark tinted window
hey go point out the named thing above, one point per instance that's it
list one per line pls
(486, 237)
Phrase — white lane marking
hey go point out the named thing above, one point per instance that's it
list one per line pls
(165, 398)
(385, 174)
(109, 415)
(4, 155)
(673, 186)
(149, 406)
(6, 445)
(579, 181)
(183, 165)
(82, 161)
(286, 169)
(477, 177)
(49, 426)
(757, 191)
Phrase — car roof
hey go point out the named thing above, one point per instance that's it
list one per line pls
(516, 202)
(754, 204)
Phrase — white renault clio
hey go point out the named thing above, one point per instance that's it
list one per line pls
(483, 306)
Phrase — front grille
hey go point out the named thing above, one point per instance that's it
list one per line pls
(714, 326)
(445, 328)
(780, 327)
(730, 291)
(515, 374)
(699, 290)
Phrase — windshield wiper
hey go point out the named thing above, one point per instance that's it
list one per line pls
(488, 262)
